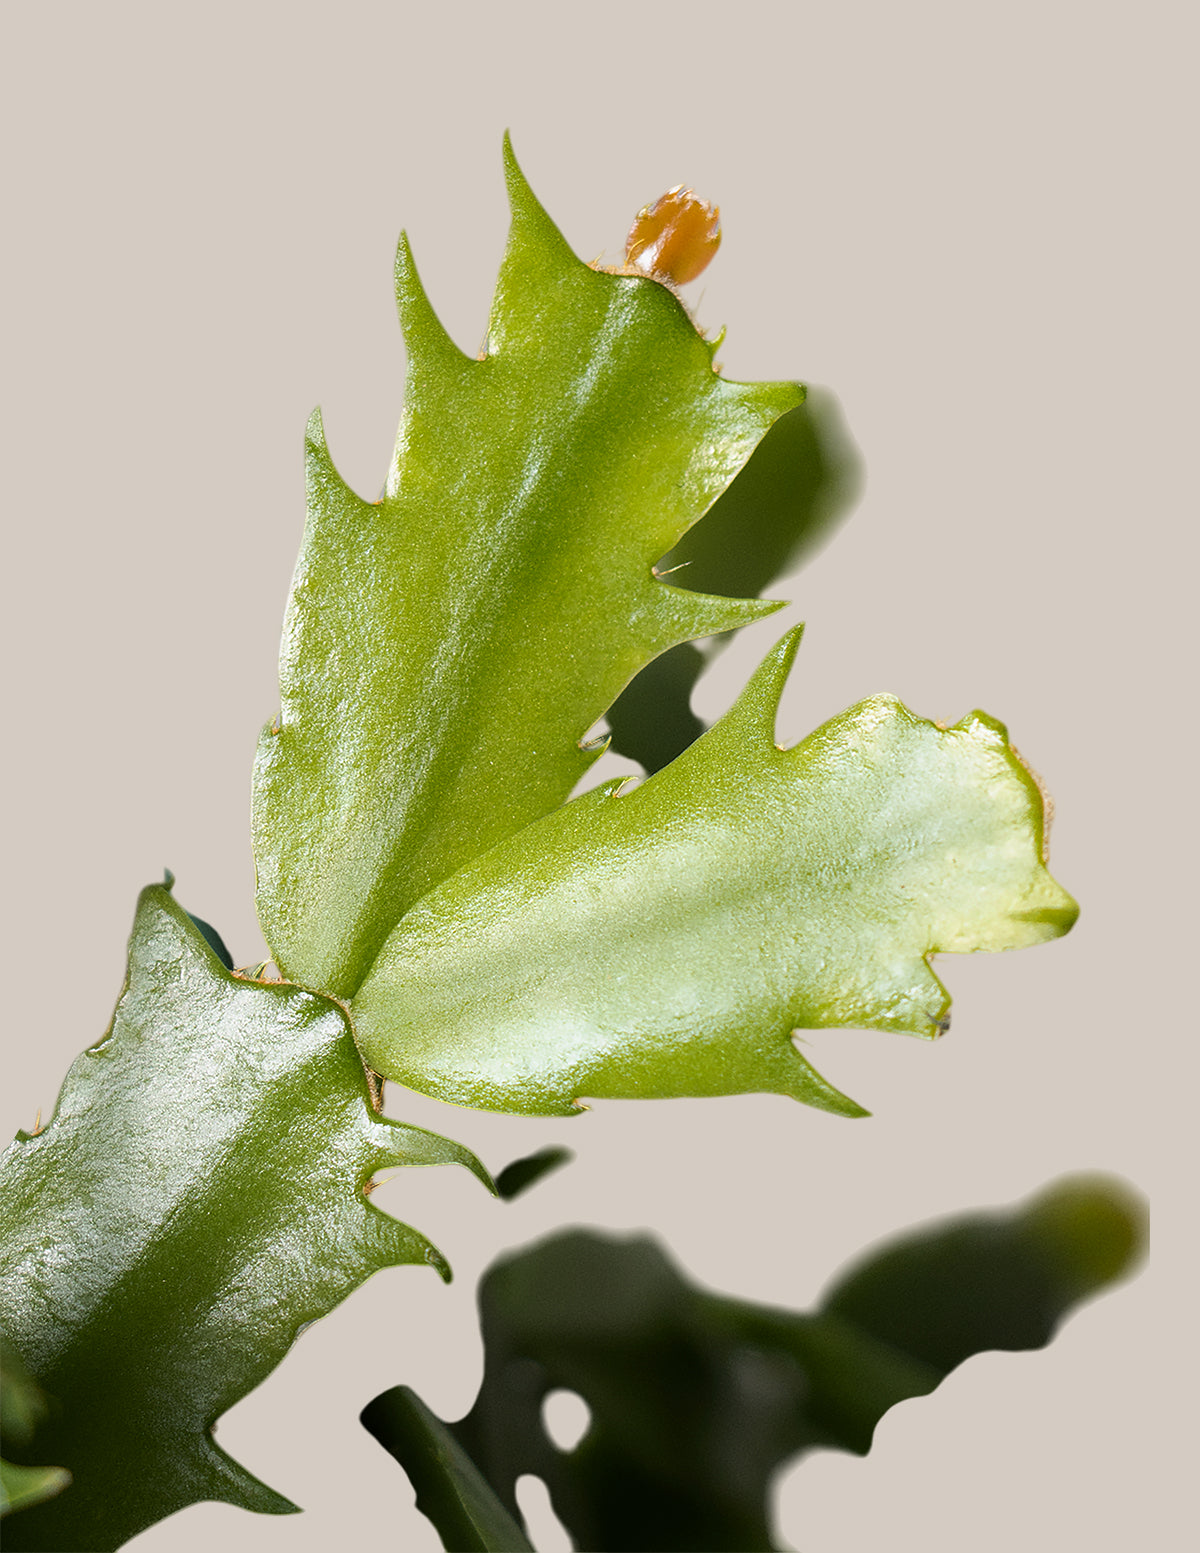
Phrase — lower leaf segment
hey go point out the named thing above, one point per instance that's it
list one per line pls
(196, 1200)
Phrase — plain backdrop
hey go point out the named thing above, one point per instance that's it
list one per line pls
(973, 223)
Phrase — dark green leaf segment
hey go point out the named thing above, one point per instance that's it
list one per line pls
(697, 1400)
(197, 1198)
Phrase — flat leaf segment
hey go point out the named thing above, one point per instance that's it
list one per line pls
(669, 942)
(195, 1201)
(448, 647)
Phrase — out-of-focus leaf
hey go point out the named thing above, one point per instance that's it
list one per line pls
(697, 1400)
(524, 1173)
(801, 480)
(196, 1200)
(22, 1400)
(670, 941)
(22, 1407)
(450, 1488)
(23, 1487)
(447, 647)
(1001, 1280)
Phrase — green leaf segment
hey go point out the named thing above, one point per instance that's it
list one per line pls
(697, 1399)
(448, 647)
(669, 942)
(197, 1198)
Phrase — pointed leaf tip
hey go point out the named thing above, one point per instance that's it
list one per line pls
(401, 1144)
(314, 432)
(439, 1263)
(228, 1482)
(424, 334)
(755, 711)
(712, 614)
(528, 212)
(802, 1082)
(514, 179)
(768, 680)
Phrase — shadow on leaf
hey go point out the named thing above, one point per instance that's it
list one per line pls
(799, 484)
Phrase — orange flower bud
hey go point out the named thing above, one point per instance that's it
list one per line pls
(674, 239)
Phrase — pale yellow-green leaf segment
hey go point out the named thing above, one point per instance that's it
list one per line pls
(670, 941)
(448, 647)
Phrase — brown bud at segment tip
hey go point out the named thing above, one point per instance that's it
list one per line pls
(674, 238)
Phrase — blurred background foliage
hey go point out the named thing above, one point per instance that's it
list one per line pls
(696, 1400)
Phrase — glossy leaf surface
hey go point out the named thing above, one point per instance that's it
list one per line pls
(447, 647)
(195, 1201)
(669, 942)
(697, 1400)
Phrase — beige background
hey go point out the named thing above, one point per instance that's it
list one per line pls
(970, 221)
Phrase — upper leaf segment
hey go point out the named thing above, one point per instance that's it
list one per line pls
(447, 647)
